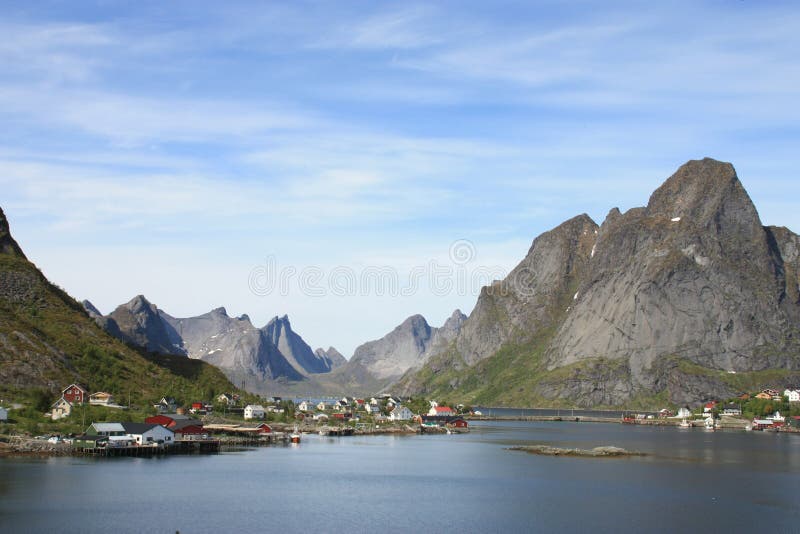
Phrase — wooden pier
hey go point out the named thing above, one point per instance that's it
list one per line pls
(148, 451)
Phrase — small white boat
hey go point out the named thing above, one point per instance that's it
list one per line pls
(684, 424)
(294, 437)
(709, 423)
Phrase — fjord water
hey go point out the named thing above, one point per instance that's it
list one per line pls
(691, 481)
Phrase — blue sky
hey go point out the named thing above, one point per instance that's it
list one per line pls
(174, 149)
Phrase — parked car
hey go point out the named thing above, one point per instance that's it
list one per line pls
(54, 439)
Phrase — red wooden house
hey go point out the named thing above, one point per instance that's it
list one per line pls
(264, 428)
(458, 422)
(75, 394)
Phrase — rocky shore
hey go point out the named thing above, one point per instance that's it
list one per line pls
(21, 446)
(597, 452)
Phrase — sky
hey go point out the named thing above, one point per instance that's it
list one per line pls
(353, 163)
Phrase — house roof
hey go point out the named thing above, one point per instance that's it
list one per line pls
(443, 409)
(75, 385)
(180, 425)
(60, 401)
(108, 427)
(138, 428)
(177, 416)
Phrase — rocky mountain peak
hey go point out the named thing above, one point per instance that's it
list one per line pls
(7, 243)
(702, 192)
(298, 353)
(335, 357)
(220, 311)
(140, 304)
(91, 309)
(453, 323)
(139, 322)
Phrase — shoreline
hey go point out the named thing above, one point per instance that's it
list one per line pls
(24, 446)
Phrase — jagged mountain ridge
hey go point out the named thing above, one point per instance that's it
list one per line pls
(406, 347)
(245, 353)
(687, 297)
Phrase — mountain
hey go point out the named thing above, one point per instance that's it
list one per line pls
(279, 331)
(406, 347)
(263, 359)
(234, 345)
(335, 357)
(139, 322)
(48, 341)
(688, 298)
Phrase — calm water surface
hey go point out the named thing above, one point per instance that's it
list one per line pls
(692, 481)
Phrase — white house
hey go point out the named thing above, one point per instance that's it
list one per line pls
(732, 409)
(254, 411)
(793, 394)
(60, 409)
(322, 406)
(115, 433)
(684, 412)
(305, 406)
(3, 414)
(124, 434)
(372, 409)
(401, 413)
(441, 411)
(148, 433)
(101, 398)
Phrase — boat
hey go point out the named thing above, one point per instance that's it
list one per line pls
(684, 424)
(294, 437)
(709, 423)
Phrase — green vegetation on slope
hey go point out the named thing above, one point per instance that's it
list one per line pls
(47, 342)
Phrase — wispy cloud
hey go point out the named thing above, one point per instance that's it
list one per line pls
(372, 132)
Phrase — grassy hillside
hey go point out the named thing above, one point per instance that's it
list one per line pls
(47, 341)
(516, 376)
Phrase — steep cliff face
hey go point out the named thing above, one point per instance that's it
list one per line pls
(787, 249)
(279, 331)
(679, 298)
(693, 275)
(533, 296)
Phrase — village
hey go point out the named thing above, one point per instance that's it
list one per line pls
(170, 427)
(768, 409)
